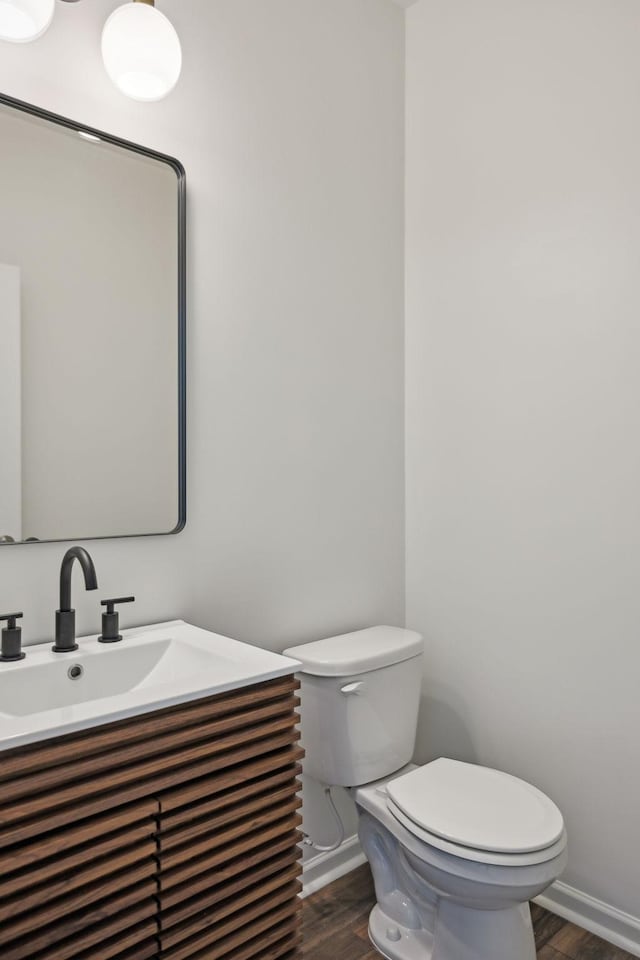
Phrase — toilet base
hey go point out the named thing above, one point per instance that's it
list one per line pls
(396, 942)
(460, 933)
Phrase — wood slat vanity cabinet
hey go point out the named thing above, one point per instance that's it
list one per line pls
(172, 835)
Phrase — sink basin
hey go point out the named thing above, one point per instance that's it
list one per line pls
(49, 694)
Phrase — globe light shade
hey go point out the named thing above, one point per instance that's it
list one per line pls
(24, 20)
(141, 51)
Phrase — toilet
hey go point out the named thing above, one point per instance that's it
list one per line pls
(456, 850)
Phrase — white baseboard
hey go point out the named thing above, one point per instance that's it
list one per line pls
(324, 868)
(593, 915)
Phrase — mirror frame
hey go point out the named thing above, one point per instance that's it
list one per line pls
(179, 170)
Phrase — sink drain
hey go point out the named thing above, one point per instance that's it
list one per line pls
(75, 672)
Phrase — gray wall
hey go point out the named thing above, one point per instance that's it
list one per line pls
(523, 404)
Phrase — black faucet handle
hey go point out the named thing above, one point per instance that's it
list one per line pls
(11, 619)
(111, 604)
(111, 620)
(11, 646)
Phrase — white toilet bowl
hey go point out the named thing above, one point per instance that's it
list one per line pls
(444, 901)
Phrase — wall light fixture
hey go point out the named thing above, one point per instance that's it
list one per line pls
(141, 51)
(140, 47)
(24, 20)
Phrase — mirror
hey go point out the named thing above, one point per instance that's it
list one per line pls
(92, 333)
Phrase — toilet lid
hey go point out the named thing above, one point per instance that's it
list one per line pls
(477, 807)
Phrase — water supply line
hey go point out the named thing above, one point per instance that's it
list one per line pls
(336, 816)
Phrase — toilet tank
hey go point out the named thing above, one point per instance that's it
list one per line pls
(359, 704)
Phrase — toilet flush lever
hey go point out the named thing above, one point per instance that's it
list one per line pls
(352, 689)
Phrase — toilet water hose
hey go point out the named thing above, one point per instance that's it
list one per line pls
(336, 816)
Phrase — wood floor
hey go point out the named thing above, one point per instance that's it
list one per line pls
(335, 927)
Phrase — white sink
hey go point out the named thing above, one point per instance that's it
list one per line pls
(49, 694)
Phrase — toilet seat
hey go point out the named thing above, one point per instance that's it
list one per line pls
(476, 813)
(472, 855)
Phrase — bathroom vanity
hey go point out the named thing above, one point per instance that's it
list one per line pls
(160, 821)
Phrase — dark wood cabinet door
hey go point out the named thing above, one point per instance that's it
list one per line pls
(171, 835)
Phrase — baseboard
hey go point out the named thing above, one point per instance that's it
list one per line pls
(324, 868)
(593, 915)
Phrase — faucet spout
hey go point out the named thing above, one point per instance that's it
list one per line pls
(88, 568)
(66, 615)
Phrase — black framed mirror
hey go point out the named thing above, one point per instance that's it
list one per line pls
(92, 333)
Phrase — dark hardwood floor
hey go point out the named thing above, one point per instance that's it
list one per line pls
(335, 927)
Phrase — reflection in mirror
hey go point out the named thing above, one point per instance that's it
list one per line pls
(91, 333)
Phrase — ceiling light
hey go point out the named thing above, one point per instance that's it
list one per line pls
(141, 51)
(24, 20)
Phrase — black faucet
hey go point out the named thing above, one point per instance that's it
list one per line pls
(66, 616)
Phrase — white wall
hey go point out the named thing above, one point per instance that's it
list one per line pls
(288, 119)
(523, 404)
